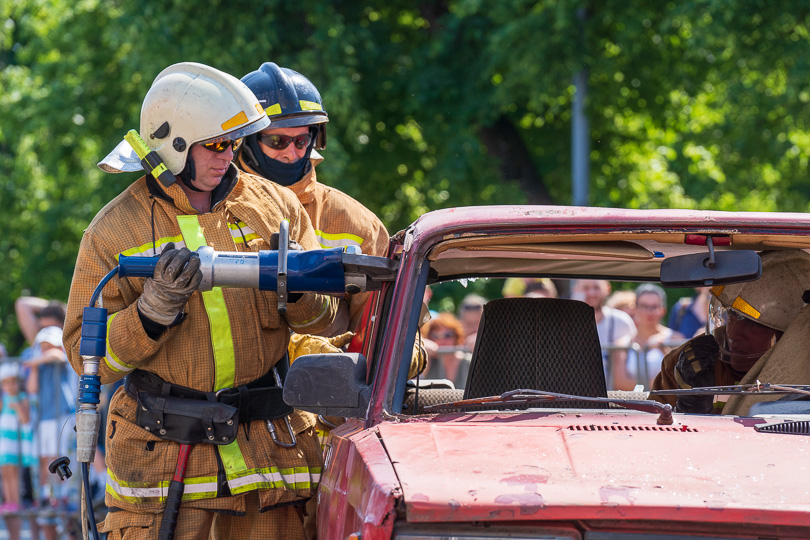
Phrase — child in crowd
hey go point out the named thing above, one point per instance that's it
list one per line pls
(16, 446)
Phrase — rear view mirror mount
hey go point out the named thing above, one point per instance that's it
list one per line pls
(709, 269)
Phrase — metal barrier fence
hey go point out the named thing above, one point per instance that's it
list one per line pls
(66, 515)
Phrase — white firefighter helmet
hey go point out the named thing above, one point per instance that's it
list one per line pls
(190, 103)
(774, 299)
(771, 302)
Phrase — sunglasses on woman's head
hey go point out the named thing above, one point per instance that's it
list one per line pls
(280, 142)
(221, 146)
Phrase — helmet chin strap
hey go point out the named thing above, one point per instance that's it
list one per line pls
(189, 174)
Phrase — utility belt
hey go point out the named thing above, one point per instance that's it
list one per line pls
(187, 416)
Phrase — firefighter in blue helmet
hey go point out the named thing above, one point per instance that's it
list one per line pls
(286, 153)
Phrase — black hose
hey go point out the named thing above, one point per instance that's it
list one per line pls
(88, 501)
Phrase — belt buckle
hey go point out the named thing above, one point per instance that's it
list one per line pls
(218, 392)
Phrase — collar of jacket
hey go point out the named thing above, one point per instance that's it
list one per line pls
(304, 189)
(175, 195)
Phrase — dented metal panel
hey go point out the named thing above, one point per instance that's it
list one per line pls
(597, 466)
(359, 492)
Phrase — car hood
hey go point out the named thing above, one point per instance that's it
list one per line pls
(560, 466)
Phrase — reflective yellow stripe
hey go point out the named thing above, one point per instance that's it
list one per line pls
(273, 109)
(332, 240)
(214, 300)
(204, 487)
(242, 233)
(237, 120)
(309, 105)
(744, 307)
(321, 313)
(147, 250)
(275, 478)
(232, 458)
(112, 361)
(221, 340)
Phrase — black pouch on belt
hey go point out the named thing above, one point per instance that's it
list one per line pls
(187, 421)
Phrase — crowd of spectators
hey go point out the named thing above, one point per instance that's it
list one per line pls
(38, 392)
(634, 330)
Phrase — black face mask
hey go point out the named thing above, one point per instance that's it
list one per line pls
(285, 174)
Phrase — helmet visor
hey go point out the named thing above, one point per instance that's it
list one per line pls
(260, 124)
(742, 340)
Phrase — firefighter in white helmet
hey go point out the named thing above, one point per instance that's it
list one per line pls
(187, 354)
(745, 322)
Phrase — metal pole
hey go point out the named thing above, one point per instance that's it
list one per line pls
(580, 136)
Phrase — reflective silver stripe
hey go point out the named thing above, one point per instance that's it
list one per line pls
(274, 479)
(160, 492)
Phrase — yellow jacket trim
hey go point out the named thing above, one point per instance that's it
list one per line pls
(140, 492)
(324, 311)
(273, 478)
(332, 240)
(112, 361)
(241, 233)
(214, 300)
(148, 250)
(221, 340)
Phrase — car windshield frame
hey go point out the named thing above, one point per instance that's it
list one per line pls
(430, 241)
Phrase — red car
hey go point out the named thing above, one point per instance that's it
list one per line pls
(510, 462)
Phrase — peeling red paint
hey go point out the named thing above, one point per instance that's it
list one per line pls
(529, 503)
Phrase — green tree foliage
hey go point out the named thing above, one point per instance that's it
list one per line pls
(695, 104)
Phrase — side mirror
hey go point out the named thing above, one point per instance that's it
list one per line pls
(332, 384)
(709, 269)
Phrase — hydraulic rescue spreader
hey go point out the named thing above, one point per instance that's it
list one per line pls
(330, 271)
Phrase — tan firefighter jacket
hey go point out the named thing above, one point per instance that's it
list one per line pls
(339, 221)
(229, 337)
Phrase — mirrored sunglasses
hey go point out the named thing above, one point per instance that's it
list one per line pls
(280, 142)
(221, 146)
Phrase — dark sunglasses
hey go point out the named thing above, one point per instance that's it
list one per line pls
(280, 142)
(447, 334)
(221, 146)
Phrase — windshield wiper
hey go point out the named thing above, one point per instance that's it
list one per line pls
(744, 389)
(524, 396)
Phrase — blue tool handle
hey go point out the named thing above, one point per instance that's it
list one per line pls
(132, 266)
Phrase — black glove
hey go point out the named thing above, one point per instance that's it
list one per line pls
(695, 368)
(177, 275)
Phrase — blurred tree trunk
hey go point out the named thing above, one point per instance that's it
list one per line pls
(503, 142)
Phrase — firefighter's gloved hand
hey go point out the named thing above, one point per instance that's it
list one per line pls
(301, 344)
(695, 368)
(177, 275)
